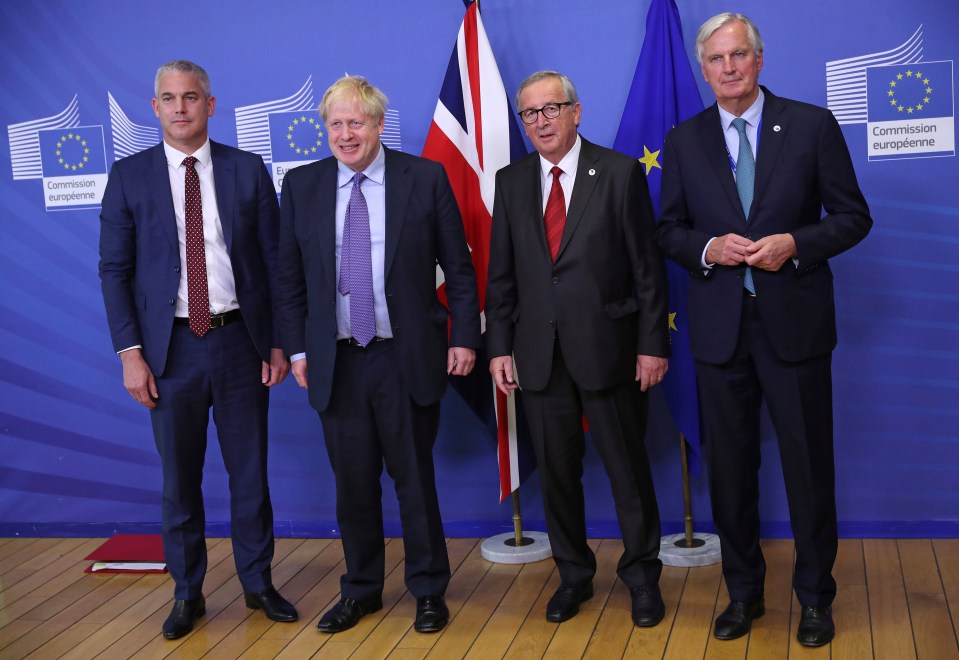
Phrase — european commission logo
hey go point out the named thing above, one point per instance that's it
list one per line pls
(910, 111)
(74, 167)
(296, 138)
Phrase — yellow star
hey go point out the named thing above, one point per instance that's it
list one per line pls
(311, 120)
(292, 144)
(296, 121)
(918, 75)
(892, 102)
(313, 149)
(926, 100)
(59, 144)
(672, 321)
(909, 74)
(649, 159)
(80, 166)
(299, 151)
(900, 108)
(290, 127)
(74, 167)
(66, 166)
(919, 106)
(70, 135)
(892, 84)
(899, 77)
(59, 160)
(319, 142)
(909, 110)
(925, 81)
(928, 90)
(289, 136)
(83, 142)
(890, 93)
(303, 118)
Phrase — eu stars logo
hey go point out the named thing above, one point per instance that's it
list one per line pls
(910, 111)
(74, 167)
(296, 138)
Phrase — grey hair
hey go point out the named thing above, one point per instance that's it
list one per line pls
(718, 21)
(568, 88)
(183, 66)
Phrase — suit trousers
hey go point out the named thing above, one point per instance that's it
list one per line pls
(222, 370)
(617, 421)
(799, 398)
(372, 420)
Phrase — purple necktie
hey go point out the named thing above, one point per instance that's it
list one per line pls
(197, 288)
(356, 265)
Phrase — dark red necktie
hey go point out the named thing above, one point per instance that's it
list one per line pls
(198, 292)
(555, 216)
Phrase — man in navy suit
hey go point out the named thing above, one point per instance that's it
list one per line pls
(744, 186)
(577, 296)
(188, 249)
(361, 236)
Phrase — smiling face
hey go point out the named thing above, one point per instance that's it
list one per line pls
(552, 138)
(731, 67)
(354, 135)
(184, 110)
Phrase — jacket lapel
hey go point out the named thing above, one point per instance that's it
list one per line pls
(162, 194)
(587, 174)
(399, 183)
(322, 197)
(717, 156)
(224, 182)
(774, 130)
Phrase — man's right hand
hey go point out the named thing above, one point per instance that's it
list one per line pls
(728, 250)
(138, 379)
(502, 370)
(299, 372)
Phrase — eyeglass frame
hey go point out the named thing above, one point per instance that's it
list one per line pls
(536, 111)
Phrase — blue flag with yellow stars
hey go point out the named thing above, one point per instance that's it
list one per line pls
(75, 151)
(662, 95)
(297, 136)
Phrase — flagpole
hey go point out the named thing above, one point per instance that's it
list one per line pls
(688, 548)
(689, 541)
(518, 540)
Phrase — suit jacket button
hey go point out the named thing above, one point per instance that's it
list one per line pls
(172, 301)
(551, 323)
(555, 280)
(176, 269)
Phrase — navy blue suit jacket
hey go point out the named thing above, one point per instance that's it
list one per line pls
(423, 228)
(802, 167)
(139, 251)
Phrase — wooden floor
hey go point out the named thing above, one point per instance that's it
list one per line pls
(897, 599)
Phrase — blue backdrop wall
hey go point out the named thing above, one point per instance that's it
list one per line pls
(77, 453)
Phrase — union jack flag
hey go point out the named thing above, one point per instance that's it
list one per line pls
(474, 134)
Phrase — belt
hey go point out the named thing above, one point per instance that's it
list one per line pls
(350, 341)
(216, 320)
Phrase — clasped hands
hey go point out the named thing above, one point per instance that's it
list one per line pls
(768, 253)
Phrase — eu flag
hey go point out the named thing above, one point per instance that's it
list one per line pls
(73, 151)
(663, 94)
(921, 90)
(296, 136)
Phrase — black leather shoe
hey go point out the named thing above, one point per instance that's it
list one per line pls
(432, 615)
(565, 602)
(180, 621)
(347, 613)
(737, 618)
(648, 606)
(816, 627)
(275, 606)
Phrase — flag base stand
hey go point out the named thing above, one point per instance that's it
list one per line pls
(517, 547)
(675, 550)
(503, 549)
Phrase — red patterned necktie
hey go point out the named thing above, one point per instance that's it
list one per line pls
(198, 293)
(555, 216)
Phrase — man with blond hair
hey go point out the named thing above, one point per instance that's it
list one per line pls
(361, 235)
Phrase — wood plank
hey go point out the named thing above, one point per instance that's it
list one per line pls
(928, 609)
(25, 553)
(947, 559)
(891, 634)
(770, 635)
(851, 607)
(693, 624)
(12, 579)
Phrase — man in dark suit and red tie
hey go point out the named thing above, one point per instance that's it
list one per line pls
(577, 295)
(361, 236)
(745, 184)
(188, 249)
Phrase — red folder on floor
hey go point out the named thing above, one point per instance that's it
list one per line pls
(128, 553)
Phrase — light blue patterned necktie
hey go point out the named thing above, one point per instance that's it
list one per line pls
(745, 184)
(356, 265)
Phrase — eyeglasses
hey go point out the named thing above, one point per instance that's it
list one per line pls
(354, 125)
(550, 111)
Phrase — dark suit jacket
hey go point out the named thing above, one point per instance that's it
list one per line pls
(802, 167)
(605, 296)
(139, 249)
(423, 229)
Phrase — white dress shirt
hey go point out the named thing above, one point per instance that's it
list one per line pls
(568, 164)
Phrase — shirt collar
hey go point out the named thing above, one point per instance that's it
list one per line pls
(752, 114)
(175, 157)
(375, 171)
(568, 163)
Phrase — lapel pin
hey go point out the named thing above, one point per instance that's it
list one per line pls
(777, 128)
(592, 172)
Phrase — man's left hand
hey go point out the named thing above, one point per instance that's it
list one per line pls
(276, 369)
(771, 252)
(650, 370)
(460, 361)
